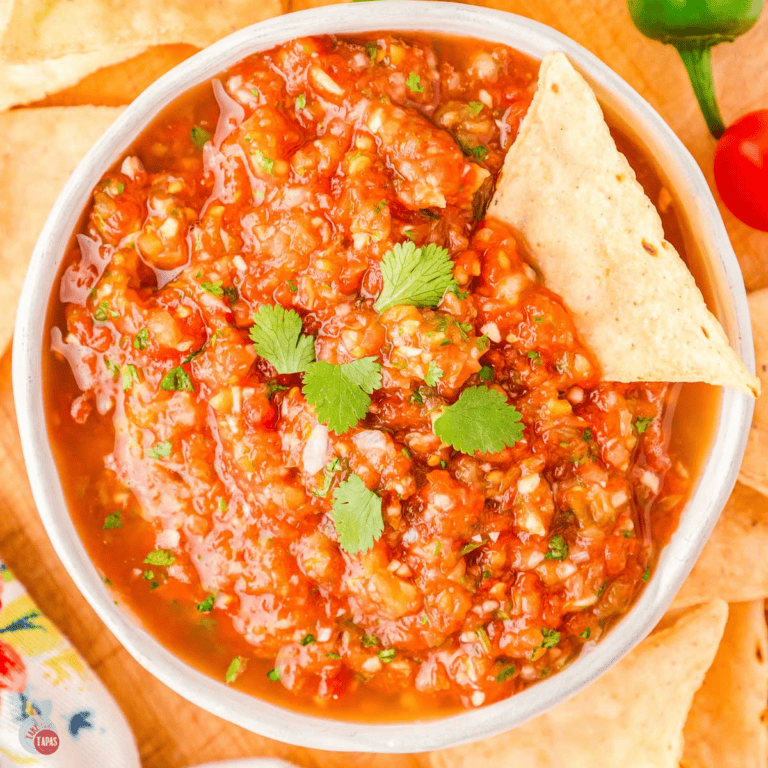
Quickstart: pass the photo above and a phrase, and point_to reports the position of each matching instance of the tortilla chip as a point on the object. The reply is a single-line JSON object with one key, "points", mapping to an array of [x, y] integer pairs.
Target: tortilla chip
{"points": [[754, 468], [25, 83], [122, 82], [725, 728], [733, 565], [57, 28], [632, 717], [599, 243], [40, 149]]}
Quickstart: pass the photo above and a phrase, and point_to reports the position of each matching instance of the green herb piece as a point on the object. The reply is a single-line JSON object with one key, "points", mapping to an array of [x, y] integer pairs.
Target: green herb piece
{"points": [[387, 655], [416, 398], [627, 534], [479, 153], [277, 337], [332, 656], [438, 548], [160, 557], [148, 575], [199, 136], [207, 605], [160, 451], [486, 373], [535, 356], [129, 376], [223, 504], [272, 387], [102, 311], [141, 339], [506, 673], [301, 101], [112, 368], [480, 420], [292, 287], [486, 575], [471, 546], [177, 380], [414, 83], [234, 669], [371, 49], [192, 355], [368, 641], [341, 393], [410, 234], [154, 585], [379, 207], [646, 574], [551, 639], [107, 581], [357, 515], [308, 639], [434, 374], [602, 589], [475, 107], [416, 276], [642, 423], [485, 641], [558, 548], [115, 520], [430, 214], [213, 288], [586, 633], [587, 436], [230, 294]]}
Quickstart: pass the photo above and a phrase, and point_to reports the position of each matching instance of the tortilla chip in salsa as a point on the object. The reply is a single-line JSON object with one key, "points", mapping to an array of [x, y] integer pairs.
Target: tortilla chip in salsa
{"points": [[599, 244]]}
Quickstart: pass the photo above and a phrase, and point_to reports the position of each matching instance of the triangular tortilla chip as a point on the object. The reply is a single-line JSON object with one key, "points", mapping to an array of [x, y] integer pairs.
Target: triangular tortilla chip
{"points": [[598, 242], [754, 468], [40, 149], [60, 27], [725, 728], [734, 563], [632, 717], [25, 83]]}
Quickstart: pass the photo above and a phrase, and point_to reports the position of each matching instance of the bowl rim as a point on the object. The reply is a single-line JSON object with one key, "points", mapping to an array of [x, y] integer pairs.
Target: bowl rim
{"points": [[718, 474]]}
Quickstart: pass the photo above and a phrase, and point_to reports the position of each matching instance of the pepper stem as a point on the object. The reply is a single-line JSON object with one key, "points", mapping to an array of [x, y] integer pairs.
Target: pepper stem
{"points": [[697, 57]]}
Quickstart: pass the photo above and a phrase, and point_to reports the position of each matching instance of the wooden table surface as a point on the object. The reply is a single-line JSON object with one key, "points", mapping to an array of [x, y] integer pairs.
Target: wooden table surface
{"points": [[173, 733]]}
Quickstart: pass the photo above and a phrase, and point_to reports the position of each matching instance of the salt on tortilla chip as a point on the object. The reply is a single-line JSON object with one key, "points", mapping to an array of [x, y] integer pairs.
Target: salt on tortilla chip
{"points": [[598, 242], [754, 468], [725, 727], [632, 717], [25, 83], [40, 149], [733, 565], [60, 27]]}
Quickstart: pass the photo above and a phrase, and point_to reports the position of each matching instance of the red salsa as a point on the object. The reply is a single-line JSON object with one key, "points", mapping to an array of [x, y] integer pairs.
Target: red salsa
{"points": [[336, 443]]}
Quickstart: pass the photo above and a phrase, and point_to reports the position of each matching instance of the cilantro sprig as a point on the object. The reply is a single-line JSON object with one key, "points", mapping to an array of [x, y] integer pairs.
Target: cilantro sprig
{"points": [[356, 515], [416, 276], [341, 393], [277, 337], [480, 420]]}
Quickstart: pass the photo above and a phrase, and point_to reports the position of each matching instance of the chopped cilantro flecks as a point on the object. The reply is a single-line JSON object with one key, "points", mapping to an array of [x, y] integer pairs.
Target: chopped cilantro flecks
{"points": [[160, 557], [558, 548], [177, 380], [586, 633], [200, 137], [274, 675], [207, 605], [234, 669], [141, 339], [646, 575], [486, 373], [413, 83], [506, 673], [369, 640], [308, 639], [387, 655], [301, 101], [475, 107], [642, 423], [471, 546]]}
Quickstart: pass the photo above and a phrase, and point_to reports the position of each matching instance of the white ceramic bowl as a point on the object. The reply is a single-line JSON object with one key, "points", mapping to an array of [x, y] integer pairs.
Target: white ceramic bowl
{"points": [[697, 520]]}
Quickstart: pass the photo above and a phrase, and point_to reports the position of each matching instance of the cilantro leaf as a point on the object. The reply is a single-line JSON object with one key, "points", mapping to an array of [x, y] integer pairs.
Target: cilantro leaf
{"points": [[357, 515], [177, 380], [115, 520], [480, 420], [340, 393], [200, 137], [160, 557], [434, 374], [141, 339], [308, 639], [234, 669], [642, 423], [160, 451], [207, 605], [475, 107], [506, 673], [214, 289], [558, 548], [416, 276], [414, 83], [301, 101], [277, 337]]}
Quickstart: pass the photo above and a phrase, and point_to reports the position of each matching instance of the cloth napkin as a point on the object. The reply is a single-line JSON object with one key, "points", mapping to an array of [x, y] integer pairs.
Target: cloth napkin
{"points": [[54, 711]]}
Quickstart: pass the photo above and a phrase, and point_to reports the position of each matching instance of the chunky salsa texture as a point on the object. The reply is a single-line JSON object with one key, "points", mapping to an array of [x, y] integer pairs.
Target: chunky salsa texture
{"points": [[410, 490]]}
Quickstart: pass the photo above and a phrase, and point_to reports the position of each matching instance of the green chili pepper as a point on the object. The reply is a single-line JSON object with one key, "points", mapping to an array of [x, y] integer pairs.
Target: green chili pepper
{"points": [[693, 27]]}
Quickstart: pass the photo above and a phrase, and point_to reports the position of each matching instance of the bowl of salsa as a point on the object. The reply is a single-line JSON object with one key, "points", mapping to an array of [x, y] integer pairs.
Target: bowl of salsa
{"points": [[305, 418]]}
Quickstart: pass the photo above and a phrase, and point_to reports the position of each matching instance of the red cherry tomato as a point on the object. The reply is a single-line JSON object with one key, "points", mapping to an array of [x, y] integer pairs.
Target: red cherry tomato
{"points": [[741, 169]]}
